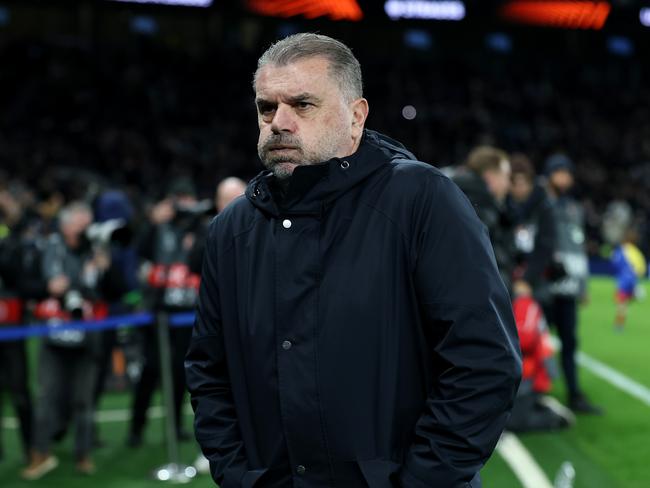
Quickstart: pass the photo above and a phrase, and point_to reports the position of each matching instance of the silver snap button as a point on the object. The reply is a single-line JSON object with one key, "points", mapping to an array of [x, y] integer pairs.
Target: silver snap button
{"points": [[300, 469], [286, 345], [345, 165], [286, 223]]}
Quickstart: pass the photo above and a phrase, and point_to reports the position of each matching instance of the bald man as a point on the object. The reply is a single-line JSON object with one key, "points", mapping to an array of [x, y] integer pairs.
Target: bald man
{"points": [[227, 191]]}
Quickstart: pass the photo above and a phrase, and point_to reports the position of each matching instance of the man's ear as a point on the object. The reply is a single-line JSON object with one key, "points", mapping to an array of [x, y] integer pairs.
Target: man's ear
{"points": [[359, 115]]}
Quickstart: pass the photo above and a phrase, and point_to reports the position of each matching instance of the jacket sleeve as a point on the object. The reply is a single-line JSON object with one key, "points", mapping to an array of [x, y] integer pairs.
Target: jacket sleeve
{"points": [[470, 328], [216, 425]]}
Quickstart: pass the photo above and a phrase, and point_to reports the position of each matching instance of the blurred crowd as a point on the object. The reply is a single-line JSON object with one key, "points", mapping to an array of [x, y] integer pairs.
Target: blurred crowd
{"points": [[65, 260], [110, 158], [76, 114]]}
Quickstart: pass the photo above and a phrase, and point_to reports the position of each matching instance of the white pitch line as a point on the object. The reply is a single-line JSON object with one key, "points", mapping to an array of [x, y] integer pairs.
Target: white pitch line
{"points": [[611, 375], [109, 416], [614, 377], [521, 462]]}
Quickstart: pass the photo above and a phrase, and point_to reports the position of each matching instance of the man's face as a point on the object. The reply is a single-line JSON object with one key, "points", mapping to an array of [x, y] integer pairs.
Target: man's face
{"points": [[498, 180], [561, 180], [303, 116], [75, 226], [521, 187]]}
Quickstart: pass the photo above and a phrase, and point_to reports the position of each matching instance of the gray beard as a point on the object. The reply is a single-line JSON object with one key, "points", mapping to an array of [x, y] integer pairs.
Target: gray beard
{"points": [[281, 172]]}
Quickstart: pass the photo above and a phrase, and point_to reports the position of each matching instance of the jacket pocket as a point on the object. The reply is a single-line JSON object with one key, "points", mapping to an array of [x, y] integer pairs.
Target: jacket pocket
{"points": [[251, 477], [379, 473]]}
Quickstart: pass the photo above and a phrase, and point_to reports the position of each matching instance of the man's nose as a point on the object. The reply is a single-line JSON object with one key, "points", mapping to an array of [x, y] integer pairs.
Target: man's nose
{"points": [[284, 119]]}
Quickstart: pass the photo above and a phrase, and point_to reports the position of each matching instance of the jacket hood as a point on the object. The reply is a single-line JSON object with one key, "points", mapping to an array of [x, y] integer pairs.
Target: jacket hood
{"points": [[113, 204], [326, 181]]}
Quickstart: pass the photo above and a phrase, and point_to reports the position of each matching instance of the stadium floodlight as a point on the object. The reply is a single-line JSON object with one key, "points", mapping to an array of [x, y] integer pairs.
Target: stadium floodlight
{"points": [[644, 16], [564, 14], [348, 10], [179, 3], [425, 9]]}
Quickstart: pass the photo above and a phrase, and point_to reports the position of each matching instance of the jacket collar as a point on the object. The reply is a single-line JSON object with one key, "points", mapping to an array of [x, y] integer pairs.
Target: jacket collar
{"points": [[313, 188]]}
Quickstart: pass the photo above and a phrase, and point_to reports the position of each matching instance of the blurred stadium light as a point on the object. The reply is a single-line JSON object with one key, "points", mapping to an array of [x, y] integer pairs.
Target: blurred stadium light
{"points": [[180, 3], [620, 46], [425, 9], [144, 24], [418, 39], [333, 9], [644, 16], [499, 42], [565, 14], [5, 16]]}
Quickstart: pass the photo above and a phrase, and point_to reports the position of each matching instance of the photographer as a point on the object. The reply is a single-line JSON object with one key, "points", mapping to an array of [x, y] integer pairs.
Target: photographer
{"points": [[112, 232], [19, 282], [76, 274], [167, 246]]}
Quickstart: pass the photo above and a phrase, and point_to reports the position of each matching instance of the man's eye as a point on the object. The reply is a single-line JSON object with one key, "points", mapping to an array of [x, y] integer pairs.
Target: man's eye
{"points": [[303, 105]]}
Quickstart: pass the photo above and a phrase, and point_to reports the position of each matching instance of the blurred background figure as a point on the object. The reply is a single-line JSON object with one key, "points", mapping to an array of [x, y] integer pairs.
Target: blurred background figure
{"points": [[114, 234], [166, 245], [485, 179], [227, 190], [535, 409], [18, 258], [76, 274], [629, 267], [534, 240], [569, 276], [534, 231]]}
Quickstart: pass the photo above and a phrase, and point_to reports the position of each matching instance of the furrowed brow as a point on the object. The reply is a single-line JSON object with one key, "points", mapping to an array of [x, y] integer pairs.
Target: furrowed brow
{"points": [[303, 97], [264, 104]]}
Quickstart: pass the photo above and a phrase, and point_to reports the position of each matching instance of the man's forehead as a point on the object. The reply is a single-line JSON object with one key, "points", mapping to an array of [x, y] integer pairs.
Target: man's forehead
{"points": [[308, 75]]}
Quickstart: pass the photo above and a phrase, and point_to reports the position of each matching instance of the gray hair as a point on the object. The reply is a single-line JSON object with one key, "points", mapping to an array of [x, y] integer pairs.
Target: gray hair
{"points": [[73, 208], [344, 67]]}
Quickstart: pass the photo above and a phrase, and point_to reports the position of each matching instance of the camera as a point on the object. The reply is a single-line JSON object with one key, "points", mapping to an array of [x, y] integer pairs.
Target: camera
{"points": [[73, 303], [188, 217], [113, 230]]}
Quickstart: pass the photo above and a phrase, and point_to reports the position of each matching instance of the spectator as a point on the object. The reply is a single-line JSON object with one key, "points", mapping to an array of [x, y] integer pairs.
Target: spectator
{"points": [[534, 231], [113, 227], [167, 246], [485, 180], [18, 283], [569, 286], [534, 409]]}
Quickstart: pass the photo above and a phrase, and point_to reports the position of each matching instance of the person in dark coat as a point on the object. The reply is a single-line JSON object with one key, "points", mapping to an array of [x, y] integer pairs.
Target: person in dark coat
{"points": [[352, 328], [569, 288], [485, 179], [534, 232]]}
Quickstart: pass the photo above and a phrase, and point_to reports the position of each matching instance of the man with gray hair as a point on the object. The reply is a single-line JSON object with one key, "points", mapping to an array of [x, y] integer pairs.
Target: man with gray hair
{"points": [[74, 275], [352, 328]]}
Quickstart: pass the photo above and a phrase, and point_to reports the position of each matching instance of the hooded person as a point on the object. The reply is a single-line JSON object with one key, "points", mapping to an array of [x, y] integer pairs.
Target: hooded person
{"points": [[352, 327]]}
